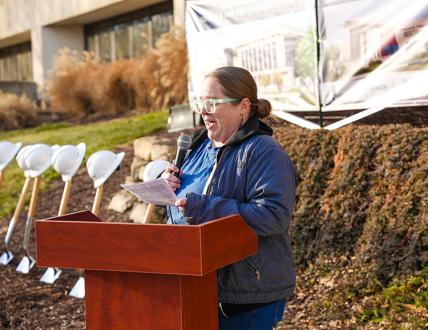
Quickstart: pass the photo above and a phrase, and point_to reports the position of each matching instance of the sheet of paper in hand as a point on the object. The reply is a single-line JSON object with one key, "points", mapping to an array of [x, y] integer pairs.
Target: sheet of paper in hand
{"points": [[157, 192]]}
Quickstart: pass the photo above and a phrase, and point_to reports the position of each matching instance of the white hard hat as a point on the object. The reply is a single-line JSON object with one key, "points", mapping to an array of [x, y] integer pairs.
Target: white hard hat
{"points": [[8, 150], [38, 159], [67, 159], [102, 164], [20, 158], [154, 169]]}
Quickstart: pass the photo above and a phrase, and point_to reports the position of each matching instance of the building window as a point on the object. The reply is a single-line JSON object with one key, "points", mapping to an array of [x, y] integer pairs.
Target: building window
{"points": [[129, 35], [16, 63], [265, 57], [104, 45], [141, 37], [290, 46], [122, 41], [161, 24], [274, 62]]}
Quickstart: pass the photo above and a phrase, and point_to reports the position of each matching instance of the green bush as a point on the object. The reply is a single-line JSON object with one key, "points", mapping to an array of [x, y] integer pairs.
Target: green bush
{"points": [[360, 226], [362, 191]]}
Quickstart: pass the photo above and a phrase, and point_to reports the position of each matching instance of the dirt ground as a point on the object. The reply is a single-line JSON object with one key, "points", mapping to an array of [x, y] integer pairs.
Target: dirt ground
{"points": [[27, 303]]}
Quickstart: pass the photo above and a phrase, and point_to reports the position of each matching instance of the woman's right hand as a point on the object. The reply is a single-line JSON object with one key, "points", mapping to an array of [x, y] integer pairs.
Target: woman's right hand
{"points": [[169, 176]]}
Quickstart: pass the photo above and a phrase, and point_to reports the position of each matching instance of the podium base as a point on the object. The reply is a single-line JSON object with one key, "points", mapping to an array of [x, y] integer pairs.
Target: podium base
{"points": [[153, 301]]}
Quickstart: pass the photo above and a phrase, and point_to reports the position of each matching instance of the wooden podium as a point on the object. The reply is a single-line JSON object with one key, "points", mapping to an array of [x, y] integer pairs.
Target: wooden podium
{"points": [[145, 276]]}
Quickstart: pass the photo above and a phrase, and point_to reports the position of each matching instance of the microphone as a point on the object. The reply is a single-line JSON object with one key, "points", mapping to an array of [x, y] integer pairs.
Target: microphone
{"points": [[183, 144]]}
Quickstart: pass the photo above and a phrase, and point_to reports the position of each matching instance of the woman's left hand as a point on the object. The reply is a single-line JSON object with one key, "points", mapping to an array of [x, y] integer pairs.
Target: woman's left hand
{"points": [[181, 204]]}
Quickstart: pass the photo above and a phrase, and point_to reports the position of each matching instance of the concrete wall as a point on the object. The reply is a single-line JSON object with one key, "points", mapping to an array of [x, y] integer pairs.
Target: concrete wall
{"points": [[19, 16], [179, 12], [46, 41]]}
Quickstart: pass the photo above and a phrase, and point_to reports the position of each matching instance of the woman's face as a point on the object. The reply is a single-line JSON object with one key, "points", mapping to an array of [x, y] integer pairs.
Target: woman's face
{"points": [[227, 118]]}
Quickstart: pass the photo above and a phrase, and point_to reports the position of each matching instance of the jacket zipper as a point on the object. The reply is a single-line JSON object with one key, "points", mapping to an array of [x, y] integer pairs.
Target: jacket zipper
{"points": [[254, 268]]}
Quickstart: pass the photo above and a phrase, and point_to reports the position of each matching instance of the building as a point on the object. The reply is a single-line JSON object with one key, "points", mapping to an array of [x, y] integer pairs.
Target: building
{"points": [[32, 32], [377, 41], [270, 57]]}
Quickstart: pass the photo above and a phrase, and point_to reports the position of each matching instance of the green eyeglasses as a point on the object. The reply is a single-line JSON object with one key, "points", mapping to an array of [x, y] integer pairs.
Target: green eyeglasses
{"points": [[209, 105]]}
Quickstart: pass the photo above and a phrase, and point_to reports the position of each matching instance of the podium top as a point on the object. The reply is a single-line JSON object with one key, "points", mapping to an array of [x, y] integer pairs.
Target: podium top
{"points": [[81, 240]]}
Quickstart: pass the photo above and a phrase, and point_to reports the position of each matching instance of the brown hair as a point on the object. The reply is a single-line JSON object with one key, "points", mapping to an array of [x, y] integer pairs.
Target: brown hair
{"points": [[239, 83]]}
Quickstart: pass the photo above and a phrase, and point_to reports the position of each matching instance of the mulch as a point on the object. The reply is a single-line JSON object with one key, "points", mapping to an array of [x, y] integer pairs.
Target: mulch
{"points": [[27, 303]]}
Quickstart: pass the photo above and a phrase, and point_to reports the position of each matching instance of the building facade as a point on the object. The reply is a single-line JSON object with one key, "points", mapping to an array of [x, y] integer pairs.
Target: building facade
{"points": [[271, 60], [33, 31]]}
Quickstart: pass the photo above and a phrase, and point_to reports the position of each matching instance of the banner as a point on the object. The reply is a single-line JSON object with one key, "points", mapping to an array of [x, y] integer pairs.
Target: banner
{"points": [[374, 54], [325, 55], [274, 39]]}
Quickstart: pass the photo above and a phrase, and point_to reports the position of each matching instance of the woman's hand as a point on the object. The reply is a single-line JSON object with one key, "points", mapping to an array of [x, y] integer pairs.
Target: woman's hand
{"points": [[181, 204], [169, 176]]}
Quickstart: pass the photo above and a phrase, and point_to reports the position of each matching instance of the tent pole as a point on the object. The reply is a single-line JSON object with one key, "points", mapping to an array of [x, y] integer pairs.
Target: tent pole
{"points": [[319, 24]]}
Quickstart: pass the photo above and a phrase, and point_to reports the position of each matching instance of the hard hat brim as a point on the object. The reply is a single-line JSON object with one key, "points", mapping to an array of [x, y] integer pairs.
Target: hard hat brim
{"points": [[11, 155], [154, 169], [37, 172], [114, 165], [81, 148]]}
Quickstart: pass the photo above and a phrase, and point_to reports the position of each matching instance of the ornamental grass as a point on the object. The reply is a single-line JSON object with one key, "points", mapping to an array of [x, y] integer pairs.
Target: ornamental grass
{"points": [[16, 111], [80, 85]]}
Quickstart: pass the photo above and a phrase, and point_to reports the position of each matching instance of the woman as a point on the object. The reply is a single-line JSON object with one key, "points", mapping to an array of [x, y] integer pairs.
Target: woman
{"points": [[236, 167]]}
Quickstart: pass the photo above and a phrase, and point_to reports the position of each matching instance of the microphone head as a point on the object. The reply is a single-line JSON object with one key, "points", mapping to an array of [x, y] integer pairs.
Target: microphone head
{"points": [[184, 141]]}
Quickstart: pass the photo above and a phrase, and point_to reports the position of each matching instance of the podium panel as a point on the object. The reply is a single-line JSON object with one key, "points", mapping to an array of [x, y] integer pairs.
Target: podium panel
{"points": [[152, 302], [145, 276]]}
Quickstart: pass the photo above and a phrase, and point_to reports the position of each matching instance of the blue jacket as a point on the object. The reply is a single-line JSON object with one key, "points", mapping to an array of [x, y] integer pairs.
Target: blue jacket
{"points": [[256, 179]]}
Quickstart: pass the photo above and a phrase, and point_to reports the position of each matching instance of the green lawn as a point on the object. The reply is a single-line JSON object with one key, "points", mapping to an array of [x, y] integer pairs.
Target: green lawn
{"points": [[97, 136]]}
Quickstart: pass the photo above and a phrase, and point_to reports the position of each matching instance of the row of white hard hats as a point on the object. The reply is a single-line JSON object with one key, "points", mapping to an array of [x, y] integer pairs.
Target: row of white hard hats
{"points": [[35, 159], [66, 160]]}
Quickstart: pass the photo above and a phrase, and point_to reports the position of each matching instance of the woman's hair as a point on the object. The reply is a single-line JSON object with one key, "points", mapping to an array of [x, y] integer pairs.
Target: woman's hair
{"points": [[239, 83]]}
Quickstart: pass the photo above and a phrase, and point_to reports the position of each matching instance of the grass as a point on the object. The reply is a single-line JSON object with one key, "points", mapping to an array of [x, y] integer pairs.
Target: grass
{"points": [[97, 136], [406, 299]]}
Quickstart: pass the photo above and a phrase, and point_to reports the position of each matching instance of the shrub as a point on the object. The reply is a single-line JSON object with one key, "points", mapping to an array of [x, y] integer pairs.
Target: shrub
{"points": [[360, 225], [81, 85], [16, 111], [362, 194]]}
